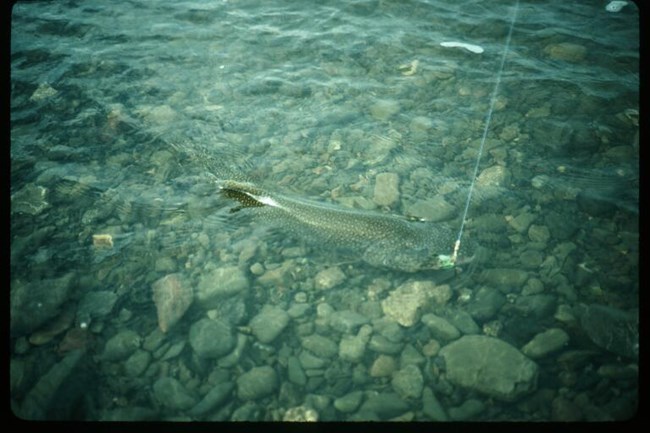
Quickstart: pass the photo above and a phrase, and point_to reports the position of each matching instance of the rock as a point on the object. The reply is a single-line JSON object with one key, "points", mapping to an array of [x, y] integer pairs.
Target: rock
{"points": [[411, 356], [440, 328], [329, 278], [383, 109], [34, 303], [504, 279], [404, 303], [408, 382], [211, 338], [522, 221], [381, 344], [490, 366], [386, 189], [121, 345], [431, 407], [38, 400], [257, 383], [383, 366], [213, 399], [269, 323], [310, 362], [295, 372], [137, 363], [219, 284], [320, 346], [385, 405], [611, 329], [496, 175], [536, 306], [172, 297], [353, 348], [96, 304], [53, 328], [566, 51], [300, 414], [170, 393], [349, 402], [564, 410], [545, 342], [29, 200], [434, 209], [466, 411], [347, 321], [538, 233], [531, 259], [485, 303]]}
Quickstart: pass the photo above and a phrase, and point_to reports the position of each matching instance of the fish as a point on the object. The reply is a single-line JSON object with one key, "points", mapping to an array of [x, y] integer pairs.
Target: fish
{"points": [[381, 240]]}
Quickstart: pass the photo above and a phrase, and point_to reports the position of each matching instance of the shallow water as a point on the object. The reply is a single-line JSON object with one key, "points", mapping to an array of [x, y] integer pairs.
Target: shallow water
{"points": [[123, 115]]}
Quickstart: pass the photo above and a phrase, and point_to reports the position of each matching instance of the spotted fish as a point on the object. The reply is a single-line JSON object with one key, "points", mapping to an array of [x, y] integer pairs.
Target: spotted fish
{"points": [[381, 240]]}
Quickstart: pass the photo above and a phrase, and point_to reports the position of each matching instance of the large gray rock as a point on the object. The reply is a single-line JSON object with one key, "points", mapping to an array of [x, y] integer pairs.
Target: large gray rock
{"points": [[269, 323], [218, 284], [490, 366], [612, 329], [257, 383], [211, 338]]}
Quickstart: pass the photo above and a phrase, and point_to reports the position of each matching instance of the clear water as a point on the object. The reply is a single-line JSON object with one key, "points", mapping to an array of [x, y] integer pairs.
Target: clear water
{"points": [[122, 113]]}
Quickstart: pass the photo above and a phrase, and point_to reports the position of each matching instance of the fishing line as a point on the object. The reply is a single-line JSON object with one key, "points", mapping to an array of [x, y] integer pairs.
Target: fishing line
{"points": [[488, 119]]}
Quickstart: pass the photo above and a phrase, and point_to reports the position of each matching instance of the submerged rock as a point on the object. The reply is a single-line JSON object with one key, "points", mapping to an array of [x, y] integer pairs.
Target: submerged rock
{"points": [[490, 366], [172, 297]]}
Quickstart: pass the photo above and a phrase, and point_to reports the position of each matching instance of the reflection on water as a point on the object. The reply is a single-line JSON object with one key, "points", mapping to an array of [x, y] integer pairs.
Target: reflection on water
{"points": [[137, 295]]}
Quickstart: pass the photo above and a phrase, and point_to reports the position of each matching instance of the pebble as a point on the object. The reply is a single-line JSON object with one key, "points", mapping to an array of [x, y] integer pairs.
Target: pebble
{"points": [[386, 189], [496, 175], [408, 382], [172, 297], [329, 278], [545, 342], [349, 402], [269, 323], [440, 328], [536, 306], [320, 346], [121, 345], [539, 233], [213, 399], [172, 394], [531, 259], [383, 109], [385, 405], [257, 383], [506, 280], [218, 284], [211, 338], [96, 304], [433, 209], [383, 366], [431, 407], [309, 361], [405, 302], [468, 410], [137, 363], [381, 344], [410, 356], [490, 366], [522, 221], [347, 321], [295, 372], [300, 414], [566, 51], [485, 303], [353, 348]]}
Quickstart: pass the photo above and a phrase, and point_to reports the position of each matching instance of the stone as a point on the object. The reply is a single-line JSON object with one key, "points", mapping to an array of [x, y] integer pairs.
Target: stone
{"points": [[349, 402], [545, 342], [490, 366], [385, 405], [218, 284], [33, 303], [269, 323], [386, 189], [404, 304], [121, 345], [96, 304], [320, 346], [384, 109], [347, 321], [353, 348], [408, 382], [329, 278], [383, 366], [295, 372], [211, 338], [433, 209], [496, 175], [522, 221], [257, 383], [539, 233], [137, 363], [30, 199], [215, 398], [566, 51], [612, 329], [485, 303], [172, 394], [172, 297], [300, 414], [468, 410], [431, 407], [440, 328], [505, 279]]}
